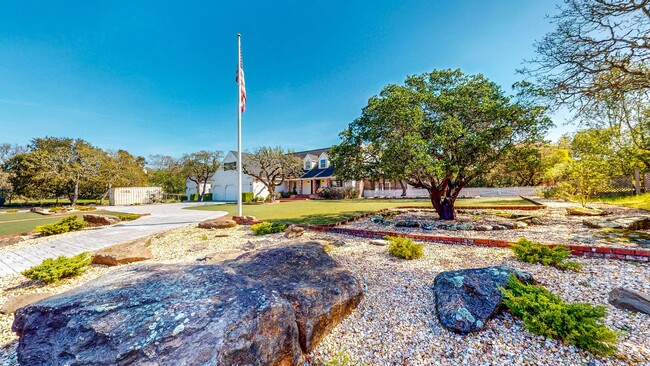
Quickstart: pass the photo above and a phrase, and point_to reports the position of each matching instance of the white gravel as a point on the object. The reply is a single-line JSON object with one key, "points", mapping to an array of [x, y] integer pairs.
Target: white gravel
{"points": [[395, 323]]}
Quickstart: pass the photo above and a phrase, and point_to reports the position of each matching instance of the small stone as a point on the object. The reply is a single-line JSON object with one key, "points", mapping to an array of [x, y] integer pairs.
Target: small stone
{"points": [[536, 221], [377, 219], [499, 227], [222, 256], [427, 226], [585, 211], [197, 247], [10, 240], [407, 223], [249, 246]]}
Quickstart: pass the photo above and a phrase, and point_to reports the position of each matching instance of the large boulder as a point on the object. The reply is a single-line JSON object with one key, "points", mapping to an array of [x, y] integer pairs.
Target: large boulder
{"points": [[124, 253], [221, 223], [631, 300], [155, 314], [467, 298], [93, 220], [321, 291], [641, 222]]}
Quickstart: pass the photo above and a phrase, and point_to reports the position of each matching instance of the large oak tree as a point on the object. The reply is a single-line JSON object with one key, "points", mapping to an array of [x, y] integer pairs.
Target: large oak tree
{"points": [[271, 166], [439, 131]]}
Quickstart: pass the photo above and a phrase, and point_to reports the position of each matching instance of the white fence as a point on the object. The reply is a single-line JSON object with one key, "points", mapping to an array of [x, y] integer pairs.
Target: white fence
{"points": [[134, 195], [466, 192]]}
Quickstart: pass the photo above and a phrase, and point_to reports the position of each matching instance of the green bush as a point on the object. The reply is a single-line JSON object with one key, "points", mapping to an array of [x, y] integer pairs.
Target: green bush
{"points": [[267, 227], [11, 210], [544, 313], [337, 193], [85, 208], [207, 197], [285, 194], [52, 270], [70, 223], [340, 358], [247, 196], [404, 248], [128, 217], [58, 209], [529, 252]]}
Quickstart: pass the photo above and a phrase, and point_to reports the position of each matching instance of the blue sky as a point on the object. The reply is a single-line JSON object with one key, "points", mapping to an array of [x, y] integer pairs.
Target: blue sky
{"points": [[157, 77]]}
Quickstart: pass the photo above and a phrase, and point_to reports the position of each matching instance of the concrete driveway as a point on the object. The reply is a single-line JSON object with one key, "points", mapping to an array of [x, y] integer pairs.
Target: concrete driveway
{"points": [[162, 217]]}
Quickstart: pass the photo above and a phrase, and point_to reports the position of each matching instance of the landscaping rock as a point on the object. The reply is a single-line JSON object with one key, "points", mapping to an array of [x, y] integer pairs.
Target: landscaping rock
{"points": [[321, 291], [16, 302], [407, 223], [244, 220], [585, 211], [466, 299], [536, 221], [100, 220], [641, 222], [220, 223], [293, 231], [38, 210], [483, 228], [514, 225], [630, 300], [123, 253], [464, 226], [379, 242], [249, 246], [427, 226], [161, 314], [10, 240], [377, 219], [499, 227]]}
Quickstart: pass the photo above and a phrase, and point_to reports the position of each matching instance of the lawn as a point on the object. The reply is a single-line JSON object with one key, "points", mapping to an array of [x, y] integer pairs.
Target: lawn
{"points": [[51, 202], [32, 221], [319, 212], [641, 201]]}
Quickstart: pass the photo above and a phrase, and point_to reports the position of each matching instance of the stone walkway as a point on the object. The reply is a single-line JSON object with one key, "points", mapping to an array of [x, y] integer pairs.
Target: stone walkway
{"points": [[162, 217]]}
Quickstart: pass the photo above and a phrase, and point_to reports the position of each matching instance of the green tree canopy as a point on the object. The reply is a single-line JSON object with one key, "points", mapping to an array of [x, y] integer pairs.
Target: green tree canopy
{"points": [[439, 131], [199, 167]]}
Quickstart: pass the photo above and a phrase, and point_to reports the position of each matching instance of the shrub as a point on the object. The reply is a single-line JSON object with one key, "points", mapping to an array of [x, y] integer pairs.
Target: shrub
{"points": [[207, 197], [544, 313], [58, 209], [267, 227], [247, 196], [337, 193], [285, 194], [529, 252], [52, 270], [70, 223], [11, 210], [85, 208], [340, 358], [404, 248], [128, 217]]}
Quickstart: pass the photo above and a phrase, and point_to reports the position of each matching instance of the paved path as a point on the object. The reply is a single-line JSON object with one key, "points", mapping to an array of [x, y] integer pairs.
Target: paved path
{"points": [[162, 217]]}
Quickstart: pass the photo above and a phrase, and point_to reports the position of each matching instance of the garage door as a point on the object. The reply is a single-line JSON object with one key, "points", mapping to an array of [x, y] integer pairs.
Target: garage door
{"points": [[230, 193]]}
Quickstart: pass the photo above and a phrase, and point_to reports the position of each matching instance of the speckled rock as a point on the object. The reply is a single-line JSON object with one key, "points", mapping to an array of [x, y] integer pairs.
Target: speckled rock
{"points": [[220, 223], [407, 223], [135, 251], [161, 315], [321, 291], [466, 299], [630, 300], [293, 231]]}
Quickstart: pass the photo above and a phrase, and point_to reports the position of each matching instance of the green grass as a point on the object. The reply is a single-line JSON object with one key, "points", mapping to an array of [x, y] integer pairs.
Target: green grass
{"points": [[9, 228], [641, 201], [320, 212], [52, 202]]}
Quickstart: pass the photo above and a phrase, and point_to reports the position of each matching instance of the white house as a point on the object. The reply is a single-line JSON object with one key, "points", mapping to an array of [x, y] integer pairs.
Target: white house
{"points": [[317, 172], [224, 180]]}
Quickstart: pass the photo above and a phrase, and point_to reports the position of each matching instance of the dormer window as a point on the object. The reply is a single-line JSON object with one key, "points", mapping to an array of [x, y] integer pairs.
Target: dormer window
{"points": [[307, 165], [323, 163]]}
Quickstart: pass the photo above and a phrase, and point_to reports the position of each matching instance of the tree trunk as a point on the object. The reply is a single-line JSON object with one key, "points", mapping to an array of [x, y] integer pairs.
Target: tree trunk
{"points": [[75, 196], [200, 191], [271, 193], [401, 183], [360, 185], [444, 205]]}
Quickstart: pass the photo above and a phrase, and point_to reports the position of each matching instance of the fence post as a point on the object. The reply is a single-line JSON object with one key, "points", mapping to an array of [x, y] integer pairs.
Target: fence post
{"points": [[637, 181]]}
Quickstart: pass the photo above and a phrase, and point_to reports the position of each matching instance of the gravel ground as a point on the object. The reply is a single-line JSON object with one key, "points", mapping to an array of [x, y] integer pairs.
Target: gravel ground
{"points": [[557, 227], [395, 323]]}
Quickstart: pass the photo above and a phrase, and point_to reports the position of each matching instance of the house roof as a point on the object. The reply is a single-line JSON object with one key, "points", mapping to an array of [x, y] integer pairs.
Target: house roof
{"points": [[316, 153]]}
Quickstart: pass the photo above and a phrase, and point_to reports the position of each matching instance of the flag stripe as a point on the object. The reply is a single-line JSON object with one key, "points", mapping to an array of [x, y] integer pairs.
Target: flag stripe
{"points": [[240, 80]]}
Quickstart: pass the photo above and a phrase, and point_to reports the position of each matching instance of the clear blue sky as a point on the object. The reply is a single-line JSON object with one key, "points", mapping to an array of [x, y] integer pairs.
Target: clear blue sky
{"points": [[158, 77]]}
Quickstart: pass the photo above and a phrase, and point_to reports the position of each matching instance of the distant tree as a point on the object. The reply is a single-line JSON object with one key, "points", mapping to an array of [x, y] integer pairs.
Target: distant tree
{"points": [[593, 41], [117, 169], [199, 167], [442, 129], [54, 166], [355, 160], [271, 166], [7, 152], [165, 171]]}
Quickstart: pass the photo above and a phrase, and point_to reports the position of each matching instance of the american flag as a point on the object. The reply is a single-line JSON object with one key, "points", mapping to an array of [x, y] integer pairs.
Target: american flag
{"points": [[242, 83]]}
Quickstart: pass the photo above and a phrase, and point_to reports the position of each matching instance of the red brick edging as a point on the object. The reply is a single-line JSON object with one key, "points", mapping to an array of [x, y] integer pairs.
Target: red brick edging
{"points": [[628, 254]]}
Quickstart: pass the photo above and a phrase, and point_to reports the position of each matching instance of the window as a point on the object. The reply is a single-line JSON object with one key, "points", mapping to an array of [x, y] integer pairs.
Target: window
{"points": [[323, 163], [230, 166], [307, 165]]}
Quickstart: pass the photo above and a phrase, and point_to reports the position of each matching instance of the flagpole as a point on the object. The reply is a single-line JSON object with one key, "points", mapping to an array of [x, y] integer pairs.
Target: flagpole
{"points": [[239, 162]]}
